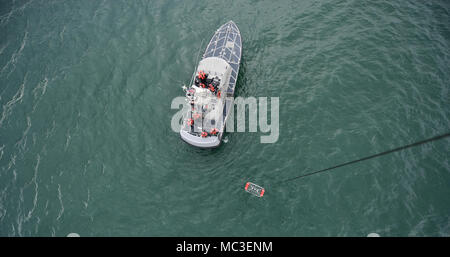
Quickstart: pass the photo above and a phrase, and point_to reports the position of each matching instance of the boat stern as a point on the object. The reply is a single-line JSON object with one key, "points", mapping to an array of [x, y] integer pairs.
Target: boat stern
{"points": [[206, 142]]}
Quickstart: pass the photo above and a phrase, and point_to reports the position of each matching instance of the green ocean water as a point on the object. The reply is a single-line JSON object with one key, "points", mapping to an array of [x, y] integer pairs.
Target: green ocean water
{"points": [[86, 144]]}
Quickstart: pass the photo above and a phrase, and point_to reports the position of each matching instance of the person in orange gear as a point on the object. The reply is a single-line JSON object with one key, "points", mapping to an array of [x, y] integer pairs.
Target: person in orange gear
{"points": [[214, 131], [202, 76]]}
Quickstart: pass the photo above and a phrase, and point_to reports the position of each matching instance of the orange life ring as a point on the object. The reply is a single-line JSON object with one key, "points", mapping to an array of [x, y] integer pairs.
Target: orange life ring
{"points": [[204, 134]]}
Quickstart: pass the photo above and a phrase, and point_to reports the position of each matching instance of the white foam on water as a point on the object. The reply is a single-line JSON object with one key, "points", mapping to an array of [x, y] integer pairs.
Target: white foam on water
{"points": [[60, 202], [7, 108]]}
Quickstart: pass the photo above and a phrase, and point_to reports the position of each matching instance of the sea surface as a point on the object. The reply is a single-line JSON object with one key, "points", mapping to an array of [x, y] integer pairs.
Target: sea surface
{"points": [[86, 144]]}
